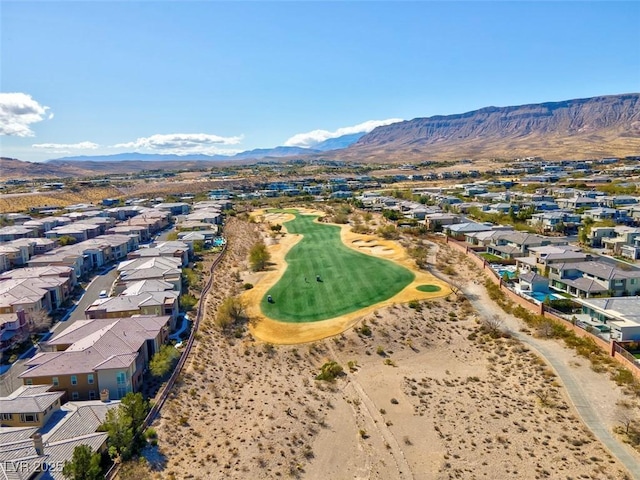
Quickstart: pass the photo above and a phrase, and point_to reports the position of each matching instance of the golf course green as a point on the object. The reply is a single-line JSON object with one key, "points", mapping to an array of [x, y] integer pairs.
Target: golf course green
{"points": [[428, 288], [325, 279]]}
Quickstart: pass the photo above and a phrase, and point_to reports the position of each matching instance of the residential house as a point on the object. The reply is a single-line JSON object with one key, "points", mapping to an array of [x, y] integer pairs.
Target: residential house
{"points": [[13, 329], [5, 261], [518, 244], [29, 406], [575, 203], [459, 230], [615, 201], [540, 259], [158, 303], [23, 294], [437, 221], [95, 355], [486, 237], [530, 282], [15, 232], [597, 235], [621, 314], [178, 250], [16, 256], [163, 268], [586, 279], [141, 232], [600, 214], [554, 221], [624, 236], [79, 231], [176, 208], [59, 280]]}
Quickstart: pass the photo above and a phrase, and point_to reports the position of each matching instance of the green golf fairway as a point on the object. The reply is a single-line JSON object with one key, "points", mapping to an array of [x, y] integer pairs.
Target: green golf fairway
{"points": [[349, 280]]}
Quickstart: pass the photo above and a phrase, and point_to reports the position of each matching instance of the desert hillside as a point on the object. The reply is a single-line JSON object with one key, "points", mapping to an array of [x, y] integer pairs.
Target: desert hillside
{"points": [[582, 128]]}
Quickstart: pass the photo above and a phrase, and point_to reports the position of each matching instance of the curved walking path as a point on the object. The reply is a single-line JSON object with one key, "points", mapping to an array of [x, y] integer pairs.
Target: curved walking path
{"points": [[578, 396]]}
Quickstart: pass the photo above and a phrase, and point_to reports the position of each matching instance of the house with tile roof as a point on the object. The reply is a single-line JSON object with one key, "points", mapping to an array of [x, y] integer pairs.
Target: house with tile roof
{"points": [[29, 406], [95, 355], [164, 302], [591, 278]]}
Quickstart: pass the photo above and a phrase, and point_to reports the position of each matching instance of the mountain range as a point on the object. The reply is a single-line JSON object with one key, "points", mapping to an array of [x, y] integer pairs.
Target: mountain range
{"points": [[573, 129], [258, 153], [581, 128]]}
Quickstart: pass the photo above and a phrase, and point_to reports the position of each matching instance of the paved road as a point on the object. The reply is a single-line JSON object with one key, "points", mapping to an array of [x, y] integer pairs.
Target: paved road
{"points": [[99, 283]]}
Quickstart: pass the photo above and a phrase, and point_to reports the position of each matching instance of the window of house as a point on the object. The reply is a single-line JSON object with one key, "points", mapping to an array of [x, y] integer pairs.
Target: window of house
{"points": [[75, 395], [92, 394], [90, 379], [55, 381], [5, 416], [74, 380], [121, 378], [28, 417], [28, 381]]}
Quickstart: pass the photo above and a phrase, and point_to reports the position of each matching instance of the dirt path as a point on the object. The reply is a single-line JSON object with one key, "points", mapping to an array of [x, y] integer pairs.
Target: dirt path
{"points": [[593, 394], [376, 419]]}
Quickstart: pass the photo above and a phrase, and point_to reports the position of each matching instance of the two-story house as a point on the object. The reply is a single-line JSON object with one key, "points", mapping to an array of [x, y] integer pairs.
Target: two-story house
{"points": [[586, 279], [95, 355]]}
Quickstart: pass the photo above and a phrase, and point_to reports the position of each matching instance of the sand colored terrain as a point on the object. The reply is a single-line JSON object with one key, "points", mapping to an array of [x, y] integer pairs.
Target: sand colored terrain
{"points": [[428, 396], [283, 333]]}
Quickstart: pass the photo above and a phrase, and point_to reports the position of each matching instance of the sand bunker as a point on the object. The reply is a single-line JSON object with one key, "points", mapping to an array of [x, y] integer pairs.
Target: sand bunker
{"points": [[273, 331]]}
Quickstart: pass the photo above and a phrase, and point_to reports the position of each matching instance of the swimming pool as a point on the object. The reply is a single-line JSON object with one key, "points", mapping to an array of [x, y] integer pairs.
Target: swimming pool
{"points": [[509, 273], [219, 241], [542, 296]]}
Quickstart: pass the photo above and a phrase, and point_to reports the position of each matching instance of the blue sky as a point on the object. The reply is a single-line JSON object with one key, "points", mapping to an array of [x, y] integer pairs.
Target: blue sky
{"points": [[203, 77]]}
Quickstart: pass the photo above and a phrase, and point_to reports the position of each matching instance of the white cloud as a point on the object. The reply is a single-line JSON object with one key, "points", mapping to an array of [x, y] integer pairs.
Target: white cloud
{"points": [[309, 139], [67, 146], [182, 143], [17, 112]]}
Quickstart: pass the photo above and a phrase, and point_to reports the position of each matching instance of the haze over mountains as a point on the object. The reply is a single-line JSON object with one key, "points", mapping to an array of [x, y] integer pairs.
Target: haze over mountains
{"points": [[572, 129]]}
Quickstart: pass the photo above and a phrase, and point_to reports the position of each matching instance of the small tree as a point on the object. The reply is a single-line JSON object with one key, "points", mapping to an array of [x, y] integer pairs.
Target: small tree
{"points": [[492, 325], [66, 240], [231, 312], [118, 426], [626, 416], [84, 465], [39, 321], [124, 425], [329, 371], [259, 257], [163, 361]]}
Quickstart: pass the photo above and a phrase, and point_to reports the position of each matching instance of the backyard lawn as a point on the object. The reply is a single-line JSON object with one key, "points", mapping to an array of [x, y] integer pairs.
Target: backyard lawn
{"points": [[325, 279]]}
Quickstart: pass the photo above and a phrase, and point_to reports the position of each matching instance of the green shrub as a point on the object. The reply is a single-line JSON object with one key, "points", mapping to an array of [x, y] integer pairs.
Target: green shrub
{"points": [[329, 371]]}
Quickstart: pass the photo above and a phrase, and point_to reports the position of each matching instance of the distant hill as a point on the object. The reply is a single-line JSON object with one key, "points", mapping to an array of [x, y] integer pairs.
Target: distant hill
{"points": [[259, 153], [582, 128], [276, 152], [11, 168], [339, 142]]}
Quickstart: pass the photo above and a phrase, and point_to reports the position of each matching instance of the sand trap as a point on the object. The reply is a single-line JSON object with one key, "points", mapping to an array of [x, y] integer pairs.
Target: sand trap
{"points": [[376, 249], [282, 333]]}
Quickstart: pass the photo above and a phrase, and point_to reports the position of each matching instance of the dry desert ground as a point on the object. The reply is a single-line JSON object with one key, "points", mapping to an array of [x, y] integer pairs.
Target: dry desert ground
{"points": [[425, 394]]}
